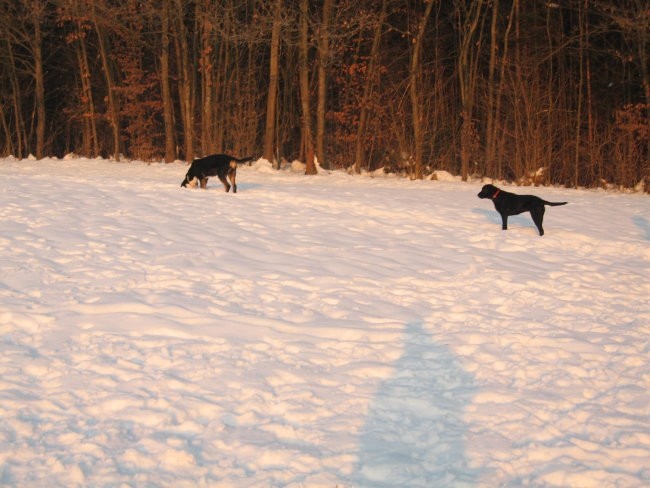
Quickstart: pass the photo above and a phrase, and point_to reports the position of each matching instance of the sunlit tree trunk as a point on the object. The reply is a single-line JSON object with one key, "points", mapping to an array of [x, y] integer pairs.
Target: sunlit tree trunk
{"points": [[271, 98], [185, 81], [490, 142], [550, 95], [414, 91], [90, 140], [310, 168], [581, 77], [323, 62], [494, 136], [206, 67], [16, 97], [370, 81], [7, 147], [113, 110], [595, 163], [642, 33], [469, 47], [89, 115], [221, 77], [38, 12], [168, 114]]}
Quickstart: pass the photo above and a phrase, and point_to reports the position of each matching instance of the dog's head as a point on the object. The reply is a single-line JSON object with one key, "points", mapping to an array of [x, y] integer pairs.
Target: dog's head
{"points": [[488, 191], [192, 182]]}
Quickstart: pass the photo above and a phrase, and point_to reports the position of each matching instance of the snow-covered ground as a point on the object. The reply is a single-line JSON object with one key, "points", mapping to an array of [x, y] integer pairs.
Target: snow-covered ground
{"points": [[323, 331]]}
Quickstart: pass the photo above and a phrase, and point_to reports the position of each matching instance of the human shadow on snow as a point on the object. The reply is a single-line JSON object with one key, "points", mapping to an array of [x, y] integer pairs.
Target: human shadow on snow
{"points": [[642, 223], [414, 434]]}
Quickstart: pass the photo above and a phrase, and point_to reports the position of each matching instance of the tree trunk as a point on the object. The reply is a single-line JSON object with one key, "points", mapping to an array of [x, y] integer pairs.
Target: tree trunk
{"points": [[490, 142], [185, 82], [550, 96], [414, 76], [581, 76], [271, 100], [113, 111], [310, 168], [38, 13], [21, 136], [207, 85], [467, 66], [8, 147], [90, 139], [323, 58], [359, 150], [168, 114], [221, 94], [642, 45]]}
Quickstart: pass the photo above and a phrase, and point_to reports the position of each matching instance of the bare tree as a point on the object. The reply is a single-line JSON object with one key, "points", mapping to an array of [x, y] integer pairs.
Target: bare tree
{"points": [[470, 22], [20, 133], [491, 95], [168, 114], [37, 11], [91, 141], [109, 77], [323, 62], [271, 99], [414, 90], [305, 103], [368, 86], [185, 75], [24, 28], [6, 132]]}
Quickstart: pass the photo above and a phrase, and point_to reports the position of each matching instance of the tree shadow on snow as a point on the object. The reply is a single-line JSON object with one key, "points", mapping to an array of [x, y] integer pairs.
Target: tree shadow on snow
{"points": [[414, 435]]}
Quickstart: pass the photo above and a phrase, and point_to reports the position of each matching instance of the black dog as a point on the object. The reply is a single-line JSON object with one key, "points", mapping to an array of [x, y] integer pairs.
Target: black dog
{"points": [[511, 204], [221, 165]]}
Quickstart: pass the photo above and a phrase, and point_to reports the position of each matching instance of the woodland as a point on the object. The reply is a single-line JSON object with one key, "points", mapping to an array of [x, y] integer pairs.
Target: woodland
{"points": [[529, 91]]}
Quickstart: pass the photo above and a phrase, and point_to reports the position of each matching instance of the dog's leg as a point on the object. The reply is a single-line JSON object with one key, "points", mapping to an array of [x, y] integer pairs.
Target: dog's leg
{"points": [[504, 221], [226, 185], [537, 214], [233, 179], [204, 183]]}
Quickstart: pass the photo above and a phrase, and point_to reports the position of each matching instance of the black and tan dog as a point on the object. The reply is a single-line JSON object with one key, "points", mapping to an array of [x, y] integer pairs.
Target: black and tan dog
{"points": [[222, 166], [508, 203]]}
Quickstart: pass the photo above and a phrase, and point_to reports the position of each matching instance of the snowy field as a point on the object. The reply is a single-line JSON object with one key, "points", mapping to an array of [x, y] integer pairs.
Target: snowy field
{"points": [[325, 331]]}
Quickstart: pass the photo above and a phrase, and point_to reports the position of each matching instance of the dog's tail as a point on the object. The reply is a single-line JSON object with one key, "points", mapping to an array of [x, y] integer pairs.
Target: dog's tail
{"points": [[247, 159], [554, 204]]}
